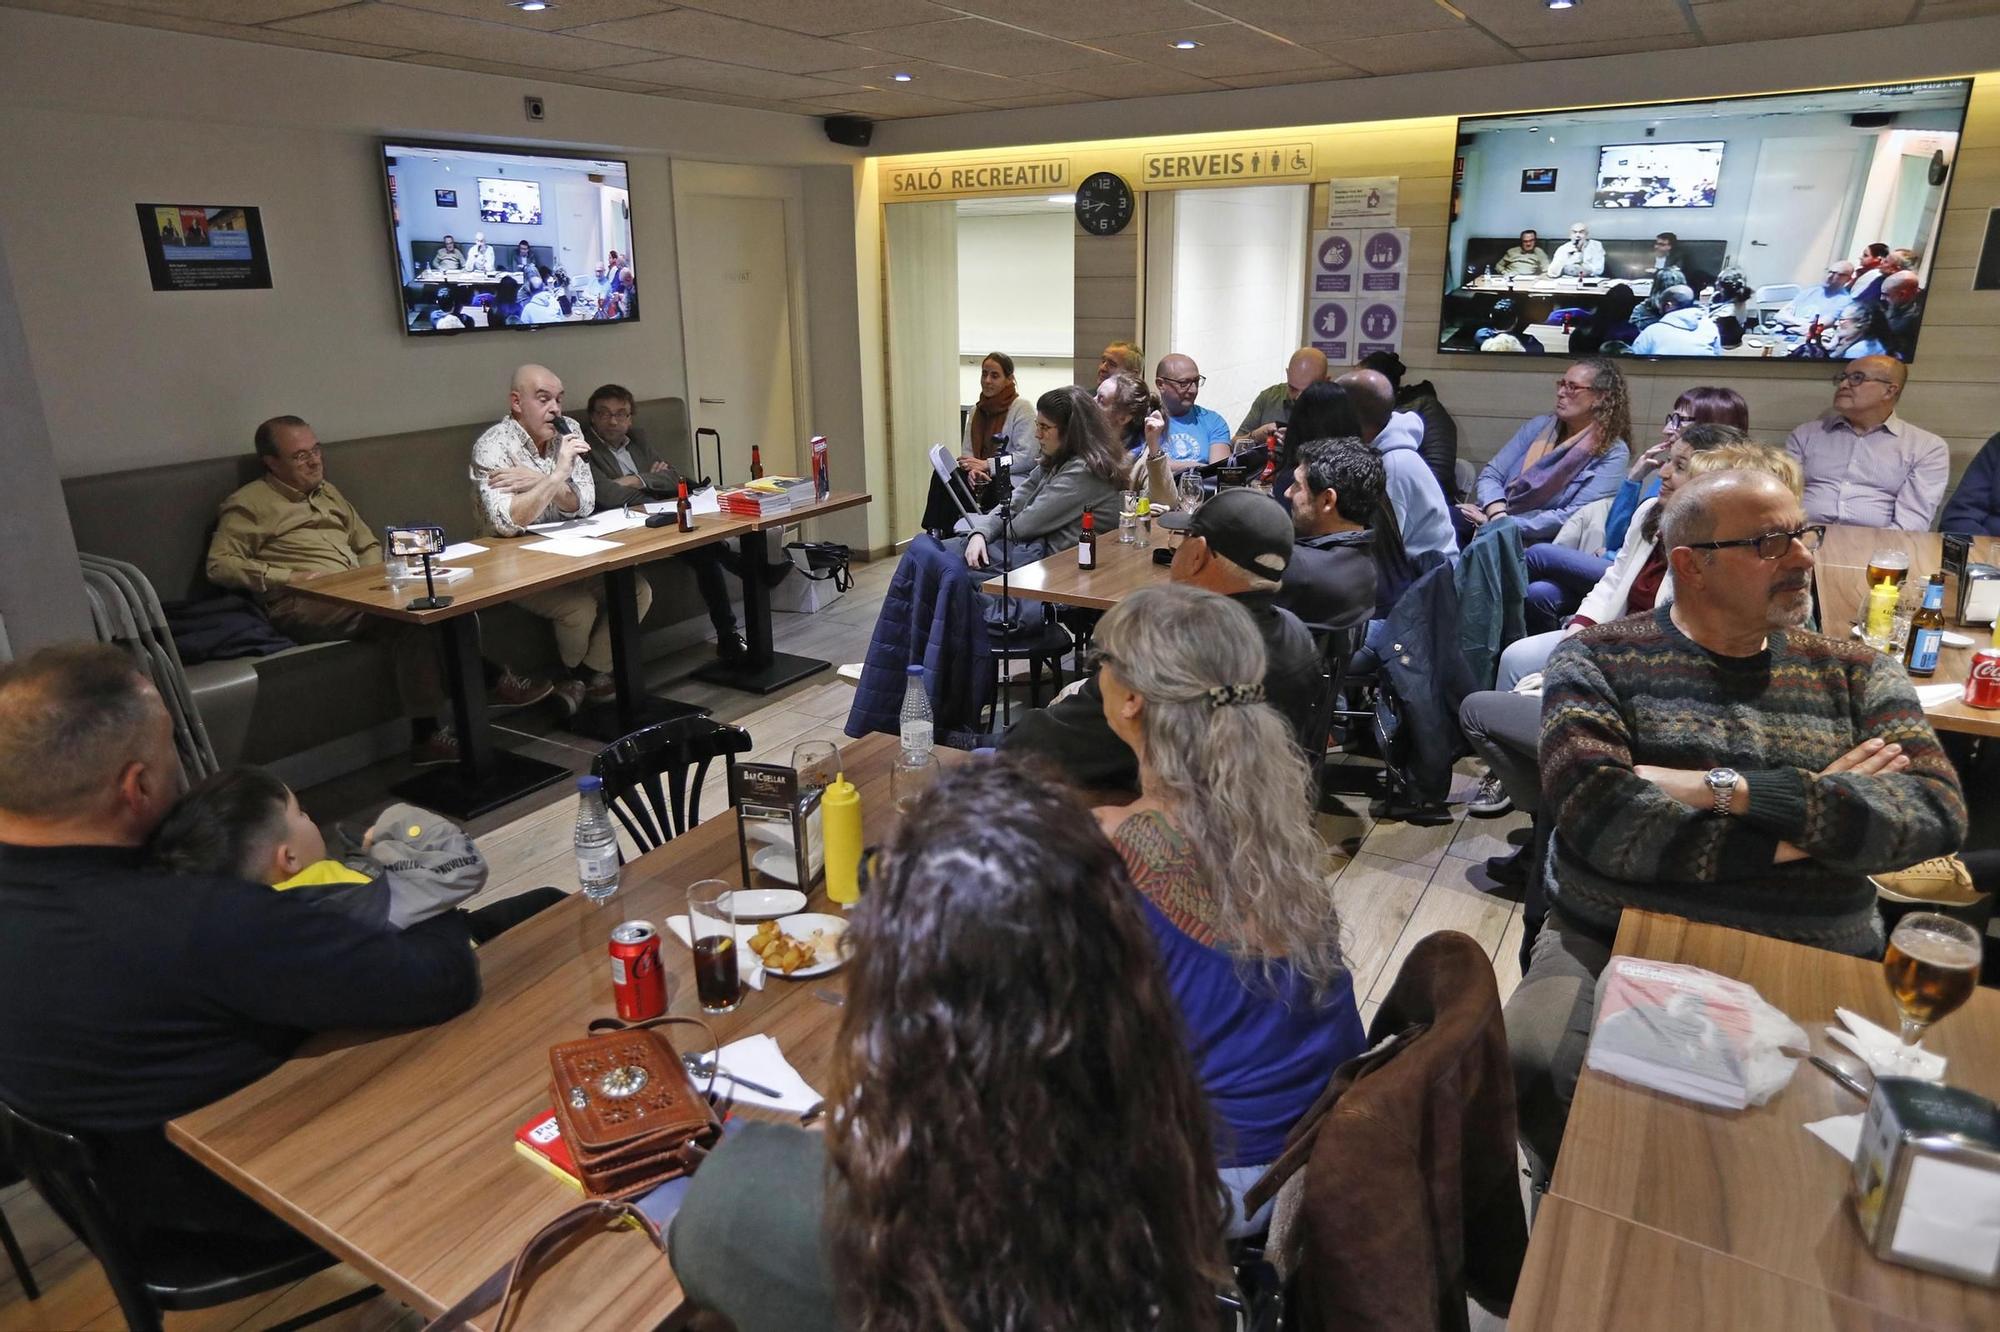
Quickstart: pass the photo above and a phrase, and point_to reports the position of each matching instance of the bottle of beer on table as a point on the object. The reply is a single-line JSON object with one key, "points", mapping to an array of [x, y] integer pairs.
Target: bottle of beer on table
{"points": [[1086, 549], [756, 463], [684, 511], [1927, 630]]}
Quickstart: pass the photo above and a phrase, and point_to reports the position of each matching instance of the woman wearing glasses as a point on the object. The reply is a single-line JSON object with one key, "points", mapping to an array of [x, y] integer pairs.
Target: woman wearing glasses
{"points": [[1560, 575], [1557, 463], [1015, 1136], [1862, 329]]}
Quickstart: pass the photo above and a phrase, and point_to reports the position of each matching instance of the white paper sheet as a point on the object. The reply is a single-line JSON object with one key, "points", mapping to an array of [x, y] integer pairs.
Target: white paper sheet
{"points": [[573, 546], [460, 550], [700, 502]]}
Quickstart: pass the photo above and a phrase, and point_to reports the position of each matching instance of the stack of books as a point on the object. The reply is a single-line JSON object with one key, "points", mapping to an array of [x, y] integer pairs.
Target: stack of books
{"points": [[767, 498]]}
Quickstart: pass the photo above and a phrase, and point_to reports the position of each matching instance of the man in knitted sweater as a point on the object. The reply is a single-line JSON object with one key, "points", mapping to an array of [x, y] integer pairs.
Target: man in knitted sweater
{"points": [[1714, 761]]}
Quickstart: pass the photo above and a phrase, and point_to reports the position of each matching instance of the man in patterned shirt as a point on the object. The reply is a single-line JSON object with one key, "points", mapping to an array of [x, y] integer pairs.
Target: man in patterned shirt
{"points": [[533, 468], [1713, 760]]}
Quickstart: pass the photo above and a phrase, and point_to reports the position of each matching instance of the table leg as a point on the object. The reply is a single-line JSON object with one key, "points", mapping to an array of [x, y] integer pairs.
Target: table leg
{"points": [[634, 708], [485, 777], [763, 669]]}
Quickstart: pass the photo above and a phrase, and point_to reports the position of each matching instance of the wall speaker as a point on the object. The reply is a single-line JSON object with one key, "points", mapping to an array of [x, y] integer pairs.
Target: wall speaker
{"points": [[851, 131]]}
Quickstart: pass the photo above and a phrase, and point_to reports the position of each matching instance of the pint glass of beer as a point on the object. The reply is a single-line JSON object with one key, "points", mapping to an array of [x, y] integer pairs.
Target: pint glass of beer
{"points": [[1893, 565], [1932, 964]]}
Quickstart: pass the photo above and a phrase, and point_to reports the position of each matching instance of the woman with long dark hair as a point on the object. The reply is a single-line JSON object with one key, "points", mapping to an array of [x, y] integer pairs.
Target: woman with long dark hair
{"points": [[1079, 468], [1015, 1138], [1558, 462], [1223, 851], [1321, 412]]}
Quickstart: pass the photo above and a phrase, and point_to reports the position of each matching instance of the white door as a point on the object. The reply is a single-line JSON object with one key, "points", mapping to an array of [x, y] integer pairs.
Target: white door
{"points": [[1799, 205], [579, 229], [736, 299]]}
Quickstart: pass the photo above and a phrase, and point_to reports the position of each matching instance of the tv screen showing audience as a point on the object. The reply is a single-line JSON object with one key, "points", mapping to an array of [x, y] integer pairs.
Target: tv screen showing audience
{"points": [[549, 243], [1795, 227]]}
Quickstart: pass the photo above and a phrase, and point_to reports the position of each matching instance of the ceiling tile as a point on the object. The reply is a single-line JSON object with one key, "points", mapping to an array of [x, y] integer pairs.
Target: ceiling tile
{"points": [[416, 29], [177, 22], [1041, 99], [892, 105], [1100, 18], [942, 81], [1132, 79], [563, 14], [218, 11], [826, 18], [1620, 46], [1527, 23], [1226, 48], [1320, 22], [975, 43], [1282, 77], [709, 76], [1757, 20], [692, 32], [1452, 48]]}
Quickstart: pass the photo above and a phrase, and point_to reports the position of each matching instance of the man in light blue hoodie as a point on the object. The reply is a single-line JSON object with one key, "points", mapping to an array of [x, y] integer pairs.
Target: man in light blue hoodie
{"points": [[1414, 493], [1684, 330]]}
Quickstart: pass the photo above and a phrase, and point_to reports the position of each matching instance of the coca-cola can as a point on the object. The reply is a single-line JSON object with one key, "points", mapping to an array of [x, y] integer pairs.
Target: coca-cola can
{"points": [[1982, 682], [636, 979]]}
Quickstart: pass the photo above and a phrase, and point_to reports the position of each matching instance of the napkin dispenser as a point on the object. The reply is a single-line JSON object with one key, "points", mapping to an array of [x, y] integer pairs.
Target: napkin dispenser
{"points": [[773, 809], [1926, 1179], [1972, 590]]}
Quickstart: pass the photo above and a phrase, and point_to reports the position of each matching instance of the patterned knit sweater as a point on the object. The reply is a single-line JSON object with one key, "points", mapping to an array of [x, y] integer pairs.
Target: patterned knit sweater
{"points": [[1639, 691]]}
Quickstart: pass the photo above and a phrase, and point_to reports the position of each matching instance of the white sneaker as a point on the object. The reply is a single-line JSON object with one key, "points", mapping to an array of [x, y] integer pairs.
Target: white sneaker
{"points": [[1490, 801], [851, 672]]}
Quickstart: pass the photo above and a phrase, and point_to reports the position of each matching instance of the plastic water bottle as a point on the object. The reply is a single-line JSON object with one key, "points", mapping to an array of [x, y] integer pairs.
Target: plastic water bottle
{"points": [[916, 712], [596, 843]]}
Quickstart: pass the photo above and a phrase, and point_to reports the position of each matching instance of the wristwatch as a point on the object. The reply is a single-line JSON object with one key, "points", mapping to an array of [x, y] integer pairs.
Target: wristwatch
{"points": [[1722, 784]]}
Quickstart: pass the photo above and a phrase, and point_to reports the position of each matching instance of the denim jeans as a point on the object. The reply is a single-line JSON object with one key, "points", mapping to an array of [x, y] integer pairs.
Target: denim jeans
{"points": [[1558, 580]]}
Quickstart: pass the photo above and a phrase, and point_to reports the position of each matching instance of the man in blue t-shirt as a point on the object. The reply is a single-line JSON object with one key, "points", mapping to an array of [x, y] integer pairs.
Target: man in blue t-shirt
{"points": [[1195, 435]]}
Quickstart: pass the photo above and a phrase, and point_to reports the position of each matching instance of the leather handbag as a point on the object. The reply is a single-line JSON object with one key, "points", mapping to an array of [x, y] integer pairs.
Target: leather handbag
{"points": [[627, 1109]]}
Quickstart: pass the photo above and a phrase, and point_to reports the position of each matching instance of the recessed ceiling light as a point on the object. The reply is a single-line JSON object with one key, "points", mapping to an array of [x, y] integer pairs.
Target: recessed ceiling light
{"points": [[902, 78], [1560, 4], [532, 6], [1185, 45]]}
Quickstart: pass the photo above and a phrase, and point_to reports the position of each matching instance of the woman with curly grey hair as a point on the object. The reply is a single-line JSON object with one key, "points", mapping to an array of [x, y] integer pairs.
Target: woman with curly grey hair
{"points": [[1559, 462], [1233, 876]]}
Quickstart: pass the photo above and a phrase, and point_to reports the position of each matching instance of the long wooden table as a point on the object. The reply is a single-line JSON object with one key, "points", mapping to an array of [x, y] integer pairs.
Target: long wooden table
{"points": [[1840, 577], [396, 1152], [1747, 1202], [1121, 570]]}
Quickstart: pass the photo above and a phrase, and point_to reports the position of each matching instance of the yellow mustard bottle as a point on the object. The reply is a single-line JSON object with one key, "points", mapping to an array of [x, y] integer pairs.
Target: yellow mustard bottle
{"points": [[1882, 601], [840, 822]]}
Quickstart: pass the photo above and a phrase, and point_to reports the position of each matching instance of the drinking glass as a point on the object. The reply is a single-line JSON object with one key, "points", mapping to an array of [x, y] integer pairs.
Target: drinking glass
{"points": [[1128, 515], [911, 779], [712, 933], [817, 762], [1192, 492], [1890, 563], [1932, 965]]}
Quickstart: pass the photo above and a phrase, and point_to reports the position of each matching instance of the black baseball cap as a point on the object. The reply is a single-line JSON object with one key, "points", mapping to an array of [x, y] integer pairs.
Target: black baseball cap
{"points": [[1245, 527]]}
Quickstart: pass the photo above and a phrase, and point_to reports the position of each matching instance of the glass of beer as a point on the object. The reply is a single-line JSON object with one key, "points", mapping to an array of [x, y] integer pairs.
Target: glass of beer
{"points": [[1932, 965], [1893, 565], [712, 934]]}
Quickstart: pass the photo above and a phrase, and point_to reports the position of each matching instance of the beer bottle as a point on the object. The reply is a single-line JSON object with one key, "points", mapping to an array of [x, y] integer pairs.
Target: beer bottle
{"points": [[1086, 549], [756, 463], [683, 511], [1927, 630]]}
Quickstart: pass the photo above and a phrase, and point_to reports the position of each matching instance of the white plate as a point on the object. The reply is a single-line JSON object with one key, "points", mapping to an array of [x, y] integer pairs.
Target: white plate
{"points": [[769, 831], [831, 952], [780, 862], [766, 903], [1956, 640]]}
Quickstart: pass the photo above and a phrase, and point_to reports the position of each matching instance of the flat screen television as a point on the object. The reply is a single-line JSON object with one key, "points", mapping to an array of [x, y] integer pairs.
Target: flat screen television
{"points": [[548, 244], [1795, 227]]}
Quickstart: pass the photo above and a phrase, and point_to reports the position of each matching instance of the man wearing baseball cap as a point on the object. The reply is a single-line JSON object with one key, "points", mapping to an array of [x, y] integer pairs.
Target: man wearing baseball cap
{"points": [[1237, 544]]}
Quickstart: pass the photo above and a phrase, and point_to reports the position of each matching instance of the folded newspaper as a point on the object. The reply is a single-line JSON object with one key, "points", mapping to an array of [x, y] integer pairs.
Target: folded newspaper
{"points": [[1691, 1033]]}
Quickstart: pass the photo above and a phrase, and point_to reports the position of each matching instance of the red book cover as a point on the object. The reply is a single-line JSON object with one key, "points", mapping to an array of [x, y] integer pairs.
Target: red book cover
{"points": [[541, 1141], [822, 473]]}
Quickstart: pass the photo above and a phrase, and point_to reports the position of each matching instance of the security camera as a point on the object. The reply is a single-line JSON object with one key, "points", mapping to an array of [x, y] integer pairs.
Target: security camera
{"points": [[535, 109]]}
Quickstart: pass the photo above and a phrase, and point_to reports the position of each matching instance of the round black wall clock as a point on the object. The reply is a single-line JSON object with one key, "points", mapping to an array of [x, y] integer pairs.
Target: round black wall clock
{"points": [[1103, 204]]}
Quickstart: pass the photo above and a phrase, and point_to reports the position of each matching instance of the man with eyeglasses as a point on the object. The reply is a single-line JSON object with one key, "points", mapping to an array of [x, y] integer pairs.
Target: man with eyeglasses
{"points": [[1866, 466], [626, 469], [292, 525], [1713, 760], [1579, 256], [1195, 435]]}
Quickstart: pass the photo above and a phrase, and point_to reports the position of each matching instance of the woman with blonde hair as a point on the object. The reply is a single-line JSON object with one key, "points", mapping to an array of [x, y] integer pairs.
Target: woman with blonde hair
{"points": [[1558, 462], [1231, 873]]}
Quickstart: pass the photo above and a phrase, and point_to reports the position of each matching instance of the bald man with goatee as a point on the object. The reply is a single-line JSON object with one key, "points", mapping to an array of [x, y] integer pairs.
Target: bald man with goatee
{"points": [[1273, 407], [534, 468]]}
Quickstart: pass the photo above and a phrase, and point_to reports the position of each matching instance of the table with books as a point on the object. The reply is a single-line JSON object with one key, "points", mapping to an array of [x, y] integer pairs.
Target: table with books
{"points": [[397, 1152], [1664, 1213]]}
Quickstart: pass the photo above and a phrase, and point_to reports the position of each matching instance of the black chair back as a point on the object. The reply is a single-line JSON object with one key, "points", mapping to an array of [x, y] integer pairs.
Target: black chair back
{"points": [[653, 777], [62, 1169], [1336, 648]]}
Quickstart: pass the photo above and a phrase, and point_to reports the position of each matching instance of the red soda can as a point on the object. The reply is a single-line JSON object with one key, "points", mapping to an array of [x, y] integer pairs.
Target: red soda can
{"points": [[636, 979], [1982, 681]]}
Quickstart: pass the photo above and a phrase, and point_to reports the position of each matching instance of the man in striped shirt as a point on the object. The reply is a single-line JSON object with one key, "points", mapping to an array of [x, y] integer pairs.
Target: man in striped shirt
{"points": [[1714, 761]]}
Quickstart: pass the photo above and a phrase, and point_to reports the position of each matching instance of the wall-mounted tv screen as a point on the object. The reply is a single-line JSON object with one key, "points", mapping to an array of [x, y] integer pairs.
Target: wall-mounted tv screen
{"points": [[552, 243], [1795, 226], [1656, 175]]}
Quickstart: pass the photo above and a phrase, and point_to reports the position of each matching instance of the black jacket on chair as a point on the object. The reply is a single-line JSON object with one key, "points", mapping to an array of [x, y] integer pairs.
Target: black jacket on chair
{"points": [[1331, 581]]}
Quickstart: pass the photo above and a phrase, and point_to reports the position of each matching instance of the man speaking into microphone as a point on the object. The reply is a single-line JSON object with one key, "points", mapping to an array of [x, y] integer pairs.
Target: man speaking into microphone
{"points": [[533, 468]]}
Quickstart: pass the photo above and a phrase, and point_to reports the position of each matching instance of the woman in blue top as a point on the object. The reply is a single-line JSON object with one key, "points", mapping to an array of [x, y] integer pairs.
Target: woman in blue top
{"points": [[1557, 463], [1222, 849]]}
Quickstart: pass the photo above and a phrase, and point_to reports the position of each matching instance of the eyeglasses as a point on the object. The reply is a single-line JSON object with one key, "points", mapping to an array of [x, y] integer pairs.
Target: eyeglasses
{"points": [[615, 413], [1184, 385], [1564, 386], [313, 454], [1675, 421], [1771, 545], [1855, 379]]}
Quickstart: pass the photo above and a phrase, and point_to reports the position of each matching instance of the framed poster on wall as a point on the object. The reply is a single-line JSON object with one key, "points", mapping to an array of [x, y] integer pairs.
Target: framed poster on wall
{"points": [[1538, 180], [204, 247]]}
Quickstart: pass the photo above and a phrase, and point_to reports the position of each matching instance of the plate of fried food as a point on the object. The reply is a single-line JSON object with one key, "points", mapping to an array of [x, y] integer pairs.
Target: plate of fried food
{"points": [[808, 944]]}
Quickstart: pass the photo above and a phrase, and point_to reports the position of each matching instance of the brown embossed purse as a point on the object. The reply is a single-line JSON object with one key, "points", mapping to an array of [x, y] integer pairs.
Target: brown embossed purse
{"points": [[629, 1112]]}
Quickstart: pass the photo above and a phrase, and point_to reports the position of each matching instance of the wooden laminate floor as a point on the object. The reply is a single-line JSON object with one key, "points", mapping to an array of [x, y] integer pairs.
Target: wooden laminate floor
{"points": [[1397, 882]]}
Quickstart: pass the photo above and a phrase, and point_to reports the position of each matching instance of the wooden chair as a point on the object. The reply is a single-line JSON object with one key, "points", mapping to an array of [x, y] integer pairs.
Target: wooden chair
{"points": [[653, 777]]}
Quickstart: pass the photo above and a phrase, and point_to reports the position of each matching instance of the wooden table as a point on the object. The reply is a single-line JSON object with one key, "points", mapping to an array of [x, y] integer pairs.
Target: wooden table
{"points": [[1685, 1189], [485, 777], [1840, 579], [1121, 570], [396, 1152], [764, 669]]}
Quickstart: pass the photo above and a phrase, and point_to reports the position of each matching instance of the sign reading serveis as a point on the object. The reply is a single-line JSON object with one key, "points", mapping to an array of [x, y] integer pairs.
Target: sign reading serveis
{"points": [[1026, 174], [1245, 161]]}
